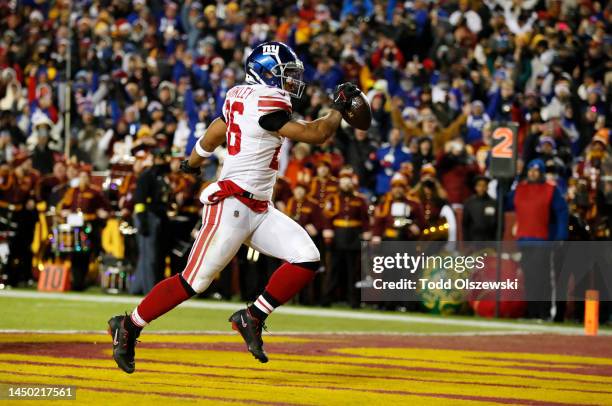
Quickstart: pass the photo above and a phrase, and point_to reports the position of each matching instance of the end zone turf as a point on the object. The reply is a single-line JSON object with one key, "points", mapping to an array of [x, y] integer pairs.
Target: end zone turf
{"points": [[308, 369]]}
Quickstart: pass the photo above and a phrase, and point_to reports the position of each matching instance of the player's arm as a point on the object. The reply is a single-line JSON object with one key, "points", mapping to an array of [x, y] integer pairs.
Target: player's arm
{"points": [[213, 137], [313, 132], [317, 131]]}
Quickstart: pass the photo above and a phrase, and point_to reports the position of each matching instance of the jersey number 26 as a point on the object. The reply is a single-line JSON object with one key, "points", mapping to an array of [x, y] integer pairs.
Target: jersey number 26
{"points": [[235, 134], [233, 129]]}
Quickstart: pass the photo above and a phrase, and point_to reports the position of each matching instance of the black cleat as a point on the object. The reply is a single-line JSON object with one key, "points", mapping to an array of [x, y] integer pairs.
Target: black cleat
{"points": [[250, 329], [124, 343]]}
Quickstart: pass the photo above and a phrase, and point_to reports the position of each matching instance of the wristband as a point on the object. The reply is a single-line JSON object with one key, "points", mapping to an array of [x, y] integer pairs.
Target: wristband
{"points": [[201, 151]]}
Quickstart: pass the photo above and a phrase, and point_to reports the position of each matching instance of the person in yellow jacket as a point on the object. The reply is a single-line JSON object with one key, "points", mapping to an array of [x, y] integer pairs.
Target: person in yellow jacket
{"points": [[427, 125]]}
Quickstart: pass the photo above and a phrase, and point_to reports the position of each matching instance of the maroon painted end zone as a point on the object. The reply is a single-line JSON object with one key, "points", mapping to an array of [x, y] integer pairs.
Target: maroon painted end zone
{"points": [[600, 346], [328, 345]]}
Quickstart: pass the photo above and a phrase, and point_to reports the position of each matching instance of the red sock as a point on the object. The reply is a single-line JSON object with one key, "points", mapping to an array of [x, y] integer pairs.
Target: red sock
{"points": [[164, 296], [287, 281]]}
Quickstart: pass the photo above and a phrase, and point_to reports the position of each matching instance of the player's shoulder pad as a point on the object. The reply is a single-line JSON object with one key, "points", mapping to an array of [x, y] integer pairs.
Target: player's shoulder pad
{"points": [[271, 99], [272, 91]]}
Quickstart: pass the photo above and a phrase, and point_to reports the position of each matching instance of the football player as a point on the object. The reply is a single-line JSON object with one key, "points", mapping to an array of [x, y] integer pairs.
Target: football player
{"points": [[237, 208]]}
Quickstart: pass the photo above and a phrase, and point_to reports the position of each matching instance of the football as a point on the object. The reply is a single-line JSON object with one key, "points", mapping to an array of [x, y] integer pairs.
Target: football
{"points": [[359, 115]]}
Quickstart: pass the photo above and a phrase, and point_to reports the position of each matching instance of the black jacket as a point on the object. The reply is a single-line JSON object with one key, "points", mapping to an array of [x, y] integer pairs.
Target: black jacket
{"points": [[479, 219], [153, 189], [43, 160]]}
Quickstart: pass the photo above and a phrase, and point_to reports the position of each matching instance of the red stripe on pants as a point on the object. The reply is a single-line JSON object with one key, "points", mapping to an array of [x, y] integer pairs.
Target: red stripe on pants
{"points": [[197, 246], [199, 236], [208, 240]]}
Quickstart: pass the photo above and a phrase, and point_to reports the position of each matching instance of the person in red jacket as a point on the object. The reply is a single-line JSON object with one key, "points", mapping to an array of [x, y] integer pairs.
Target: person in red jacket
{"points": [[541, 210], [456, 170], [541, 215]]}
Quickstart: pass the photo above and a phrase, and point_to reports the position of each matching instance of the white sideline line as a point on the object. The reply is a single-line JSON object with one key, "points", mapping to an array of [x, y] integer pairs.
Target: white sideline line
{"points": [[298, 311], [274, 333]]}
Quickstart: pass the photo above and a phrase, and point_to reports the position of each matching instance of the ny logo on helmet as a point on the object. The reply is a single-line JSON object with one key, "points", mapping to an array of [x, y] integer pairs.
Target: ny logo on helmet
{"points": [[270, 49]]}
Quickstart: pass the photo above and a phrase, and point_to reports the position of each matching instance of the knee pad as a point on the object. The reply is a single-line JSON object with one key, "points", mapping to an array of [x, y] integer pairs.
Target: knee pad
{"points": [[306, 254], [199, 283]]}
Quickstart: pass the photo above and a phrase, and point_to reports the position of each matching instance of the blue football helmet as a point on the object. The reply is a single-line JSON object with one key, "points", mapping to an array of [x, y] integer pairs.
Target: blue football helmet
{"points": [[275, 64]]}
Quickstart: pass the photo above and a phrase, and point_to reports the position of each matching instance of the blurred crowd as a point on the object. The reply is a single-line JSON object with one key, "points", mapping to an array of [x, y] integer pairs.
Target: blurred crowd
{"points": [[146, 76]]}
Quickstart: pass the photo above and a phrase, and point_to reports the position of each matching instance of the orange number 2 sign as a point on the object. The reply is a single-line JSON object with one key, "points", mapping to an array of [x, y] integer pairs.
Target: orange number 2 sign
{"points": [[504, 138]]}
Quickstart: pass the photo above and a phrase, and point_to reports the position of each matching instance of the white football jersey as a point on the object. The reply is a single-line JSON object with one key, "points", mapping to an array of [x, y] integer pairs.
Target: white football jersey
{"points": [[252, 152]]}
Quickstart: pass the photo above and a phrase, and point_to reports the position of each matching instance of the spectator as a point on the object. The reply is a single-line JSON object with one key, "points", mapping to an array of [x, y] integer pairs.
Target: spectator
{"points": [[93, 208], [381, 120], [347, 223], [502, 105], [429, 126], [480, 213], [475, 122], [43, 158], [306, 211], [150, 209], [324, 184], [358, 150], [17, 194], [465, 16], [397, 218], [297, 170], [389, 158], [48, 182], [328, 74], [436, 210], [541, 215], [154, 74], [456, 169], [42, 132], [422, 156]]}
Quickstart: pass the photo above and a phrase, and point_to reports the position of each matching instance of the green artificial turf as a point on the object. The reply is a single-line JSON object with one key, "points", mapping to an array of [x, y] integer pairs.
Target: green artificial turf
{"points": [[45, 313], [51, 314]]}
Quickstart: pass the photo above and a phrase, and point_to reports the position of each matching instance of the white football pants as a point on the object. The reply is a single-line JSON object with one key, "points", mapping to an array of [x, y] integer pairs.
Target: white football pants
{"points": [[229, 224]]}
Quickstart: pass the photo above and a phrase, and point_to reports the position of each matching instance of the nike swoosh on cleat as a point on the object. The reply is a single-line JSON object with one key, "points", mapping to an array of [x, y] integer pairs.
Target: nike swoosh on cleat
{"points": [[243, 323], [115, 342]]}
